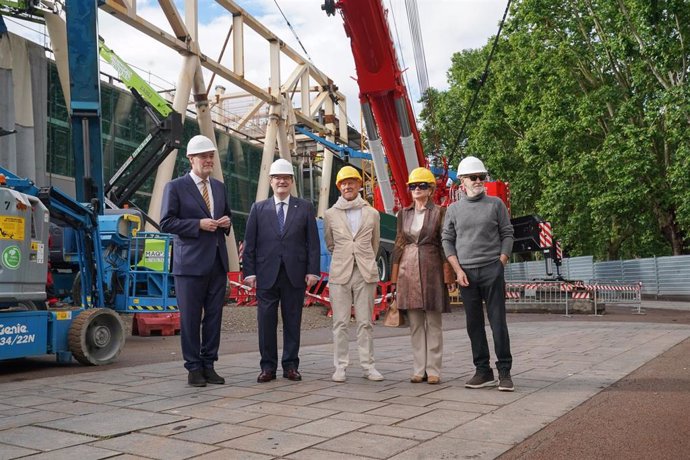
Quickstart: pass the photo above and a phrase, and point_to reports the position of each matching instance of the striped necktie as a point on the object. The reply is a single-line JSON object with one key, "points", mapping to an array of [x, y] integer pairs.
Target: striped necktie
{"points": [[204, 194]]}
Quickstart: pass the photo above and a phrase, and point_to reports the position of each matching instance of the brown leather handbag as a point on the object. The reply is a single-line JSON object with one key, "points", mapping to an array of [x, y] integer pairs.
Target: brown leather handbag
{"points": [[394, 317]]}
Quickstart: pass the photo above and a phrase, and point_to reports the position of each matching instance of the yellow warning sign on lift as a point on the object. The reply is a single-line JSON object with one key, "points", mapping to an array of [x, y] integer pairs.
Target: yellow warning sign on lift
{"points": [[11, 228]]}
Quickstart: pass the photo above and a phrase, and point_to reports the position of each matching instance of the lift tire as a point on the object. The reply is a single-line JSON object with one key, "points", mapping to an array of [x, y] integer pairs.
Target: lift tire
{"points": [[30, 305], [96, 337], [383, 265]]}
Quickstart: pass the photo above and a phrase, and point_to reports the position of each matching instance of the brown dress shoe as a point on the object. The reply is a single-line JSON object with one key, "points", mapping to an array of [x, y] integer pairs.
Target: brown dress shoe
{"points": [[266, 376], [292, 374]]}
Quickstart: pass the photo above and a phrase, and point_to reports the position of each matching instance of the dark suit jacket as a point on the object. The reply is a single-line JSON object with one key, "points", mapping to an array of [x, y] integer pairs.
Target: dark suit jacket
{"points": [[194, 250], [298, 247]]}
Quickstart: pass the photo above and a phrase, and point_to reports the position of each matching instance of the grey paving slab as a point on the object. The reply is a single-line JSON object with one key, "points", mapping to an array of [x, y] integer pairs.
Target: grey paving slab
{"points": [[313, 454], [179, 427], [419, 433], [368, 444], [8, 410], [160, 404], [449, 448], [34, 437], [219, 414], [274, 443], [29, 419], [30, 401], [287, 410], [398, 411], [275, 422], [349, 405], [327, 428], [75, 407], [365, 418], [8, 452], [215, 434], [275, 396], [233, 454], [439, 420], [154, 446], [149, 411], [76, 452], [111, 423]]}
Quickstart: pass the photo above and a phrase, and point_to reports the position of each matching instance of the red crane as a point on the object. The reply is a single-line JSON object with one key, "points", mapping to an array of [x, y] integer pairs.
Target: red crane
{"points": [[382, 92]]}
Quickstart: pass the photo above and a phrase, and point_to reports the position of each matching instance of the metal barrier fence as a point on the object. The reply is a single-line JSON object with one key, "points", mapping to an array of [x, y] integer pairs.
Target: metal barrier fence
{"points": [[667, 276], [564, 294], [611, 292]]}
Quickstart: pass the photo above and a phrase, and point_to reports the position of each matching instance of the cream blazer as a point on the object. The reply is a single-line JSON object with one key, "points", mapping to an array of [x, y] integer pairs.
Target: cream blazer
{"points": [[346, 249]]}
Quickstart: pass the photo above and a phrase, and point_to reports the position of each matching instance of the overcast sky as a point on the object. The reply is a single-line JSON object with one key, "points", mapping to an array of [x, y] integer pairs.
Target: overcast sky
{"points": [[447, 26]]}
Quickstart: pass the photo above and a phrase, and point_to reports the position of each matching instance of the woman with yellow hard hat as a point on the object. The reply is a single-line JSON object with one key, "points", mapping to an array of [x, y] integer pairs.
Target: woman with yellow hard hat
{"points": [[422, 274]]}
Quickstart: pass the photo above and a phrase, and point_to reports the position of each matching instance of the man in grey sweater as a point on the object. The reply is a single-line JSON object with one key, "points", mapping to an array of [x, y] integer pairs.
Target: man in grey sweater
{"points": [[478, 241]]}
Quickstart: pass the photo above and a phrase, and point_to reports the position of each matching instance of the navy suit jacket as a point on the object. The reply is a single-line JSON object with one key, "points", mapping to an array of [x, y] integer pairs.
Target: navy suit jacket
{"points": [[297, 247], [194, 250]]}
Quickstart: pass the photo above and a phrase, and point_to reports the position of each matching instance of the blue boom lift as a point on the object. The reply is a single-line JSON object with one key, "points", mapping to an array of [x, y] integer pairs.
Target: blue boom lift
{"points": [[115, 274]]}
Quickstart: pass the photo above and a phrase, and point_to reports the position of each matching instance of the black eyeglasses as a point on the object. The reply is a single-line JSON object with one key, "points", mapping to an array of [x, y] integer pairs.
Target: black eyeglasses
{"points": [[474, 177], [421, 186]]}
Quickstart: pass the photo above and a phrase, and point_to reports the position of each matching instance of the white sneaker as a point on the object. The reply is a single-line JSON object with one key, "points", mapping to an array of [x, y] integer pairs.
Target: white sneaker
{"points": [[339, 375], [373, 375]]}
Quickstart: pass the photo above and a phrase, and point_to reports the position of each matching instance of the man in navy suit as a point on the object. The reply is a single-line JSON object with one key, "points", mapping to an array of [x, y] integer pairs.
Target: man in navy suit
{"points": [[196, 211], [281, 259]]}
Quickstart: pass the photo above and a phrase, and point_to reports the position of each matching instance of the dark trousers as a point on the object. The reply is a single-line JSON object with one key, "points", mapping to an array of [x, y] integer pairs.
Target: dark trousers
{"points": [[200, 300], [487, 284], [291, 300]]}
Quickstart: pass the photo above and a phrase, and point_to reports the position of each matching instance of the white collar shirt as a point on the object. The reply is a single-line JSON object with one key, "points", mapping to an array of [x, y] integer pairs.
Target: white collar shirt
{"points": [[285, 208], [198, 181]]}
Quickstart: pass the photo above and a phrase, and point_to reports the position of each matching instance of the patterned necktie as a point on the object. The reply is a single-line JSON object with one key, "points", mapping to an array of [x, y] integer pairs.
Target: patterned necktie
{"points": [[204, 194], [281, 217]]}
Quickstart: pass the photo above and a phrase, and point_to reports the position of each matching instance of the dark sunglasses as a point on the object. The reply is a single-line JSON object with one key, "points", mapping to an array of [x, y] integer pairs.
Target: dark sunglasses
{"points": [[421, 186], [474, 177]]}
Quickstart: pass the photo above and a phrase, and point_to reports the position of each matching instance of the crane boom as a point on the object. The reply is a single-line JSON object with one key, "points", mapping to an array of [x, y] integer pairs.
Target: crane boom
{"points": [[383, 94]]}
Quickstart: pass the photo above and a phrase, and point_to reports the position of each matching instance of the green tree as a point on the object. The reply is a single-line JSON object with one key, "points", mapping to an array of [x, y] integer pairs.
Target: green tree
{"points": [[586, 113]]}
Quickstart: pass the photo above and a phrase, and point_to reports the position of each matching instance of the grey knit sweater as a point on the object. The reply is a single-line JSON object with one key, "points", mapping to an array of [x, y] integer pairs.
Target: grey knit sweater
{"points": [[477, 230]]}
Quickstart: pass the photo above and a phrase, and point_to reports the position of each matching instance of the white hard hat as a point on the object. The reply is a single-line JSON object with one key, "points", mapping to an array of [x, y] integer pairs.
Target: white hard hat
{"points": [[471, 165], [200, 144], [281, 167]]}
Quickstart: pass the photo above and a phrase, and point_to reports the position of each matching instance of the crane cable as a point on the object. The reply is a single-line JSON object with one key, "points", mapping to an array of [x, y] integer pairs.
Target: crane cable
{"points": [[293, 31], [482, 80]]}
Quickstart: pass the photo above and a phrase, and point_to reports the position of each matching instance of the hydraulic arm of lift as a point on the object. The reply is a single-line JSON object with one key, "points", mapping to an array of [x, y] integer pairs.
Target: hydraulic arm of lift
{"points": [[384, 99], [165, 136]]}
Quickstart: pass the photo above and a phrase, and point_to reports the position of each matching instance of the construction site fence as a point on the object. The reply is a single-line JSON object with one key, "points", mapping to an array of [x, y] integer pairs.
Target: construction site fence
{"points": [[667, 276], [319, 294], [566, 293]]}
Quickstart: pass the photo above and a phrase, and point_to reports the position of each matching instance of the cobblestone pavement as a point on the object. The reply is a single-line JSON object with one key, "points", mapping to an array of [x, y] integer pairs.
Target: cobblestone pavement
{"points": [[149, 411]]}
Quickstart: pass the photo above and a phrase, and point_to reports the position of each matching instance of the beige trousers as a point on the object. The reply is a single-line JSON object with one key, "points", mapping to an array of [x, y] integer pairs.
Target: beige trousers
{"points": [[427, 341], [360, 293]]}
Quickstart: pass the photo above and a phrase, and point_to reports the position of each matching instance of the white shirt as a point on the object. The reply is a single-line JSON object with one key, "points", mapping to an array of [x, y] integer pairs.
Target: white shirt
{"points": [[285, 208], [354, 218], [200, 186]]}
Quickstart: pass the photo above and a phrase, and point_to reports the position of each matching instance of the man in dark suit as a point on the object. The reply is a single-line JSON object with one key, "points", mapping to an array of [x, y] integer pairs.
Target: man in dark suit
{"points": [[281, 259], [196, 211]]}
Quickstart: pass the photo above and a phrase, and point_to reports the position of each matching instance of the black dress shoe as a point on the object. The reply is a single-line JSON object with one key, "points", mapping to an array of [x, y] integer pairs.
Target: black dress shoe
{"points": [[292, 374], [213, 378], [266, 376], [196, 378]]}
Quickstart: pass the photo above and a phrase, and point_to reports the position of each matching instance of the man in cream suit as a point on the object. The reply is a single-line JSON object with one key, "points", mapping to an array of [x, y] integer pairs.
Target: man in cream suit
{"points": [[352, 235]]}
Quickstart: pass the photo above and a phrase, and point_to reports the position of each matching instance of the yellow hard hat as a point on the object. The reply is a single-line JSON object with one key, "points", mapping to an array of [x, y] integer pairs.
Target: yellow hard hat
{"points": [[419, 175], [347, 172]]}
